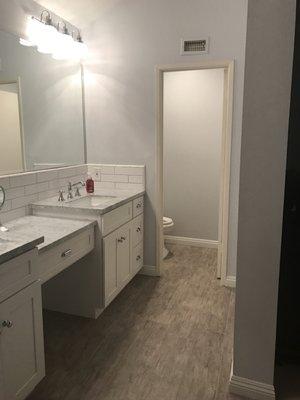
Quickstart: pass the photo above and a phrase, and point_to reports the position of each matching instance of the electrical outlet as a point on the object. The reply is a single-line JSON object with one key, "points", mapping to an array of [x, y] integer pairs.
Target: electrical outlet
{"points": [[98, 174]]}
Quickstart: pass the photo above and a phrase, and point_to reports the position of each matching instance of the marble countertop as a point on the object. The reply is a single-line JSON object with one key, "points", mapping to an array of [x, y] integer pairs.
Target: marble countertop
{"points": [[111, 199], [28, 232]]}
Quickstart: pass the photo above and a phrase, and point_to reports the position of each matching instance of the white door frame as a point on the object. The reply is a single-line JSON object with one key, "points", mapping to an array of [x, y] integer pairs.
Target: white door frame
{"points": [[228, 66]]}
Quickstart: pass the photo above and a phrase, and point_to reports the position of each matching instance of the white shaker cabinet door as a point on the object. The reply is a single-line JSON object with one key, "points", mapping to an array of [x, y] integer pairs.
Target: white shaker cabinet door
{"points": [[124, 255], [21, 343], [117, 261]]}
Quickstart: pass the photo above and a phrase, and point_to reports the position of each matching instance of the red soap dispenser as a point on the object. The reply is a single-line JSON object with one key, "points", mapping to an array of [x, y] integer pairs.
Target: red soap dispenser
{"points": [[90, 187]]}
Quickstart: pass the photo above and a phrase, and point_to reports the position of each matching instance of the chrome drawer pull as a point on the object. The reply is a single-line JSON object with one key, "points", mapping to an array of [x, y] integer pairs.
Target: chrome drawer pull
{"points": [[138, 205], [7, 324], [123, 238], [66, 253]]}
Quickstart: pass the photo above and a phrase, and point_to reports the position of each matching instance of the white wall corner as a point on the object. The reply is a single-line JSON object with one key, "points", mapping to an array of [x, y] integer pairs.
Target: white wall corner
{"points": [[149, 270], [230, 281], [251, 389]]}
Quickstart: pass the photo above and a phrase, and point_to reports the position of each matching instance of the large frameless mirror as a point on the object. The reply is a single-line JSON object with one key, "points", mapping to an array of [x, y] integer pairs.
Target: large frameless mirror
{"points": [[41, 115]]}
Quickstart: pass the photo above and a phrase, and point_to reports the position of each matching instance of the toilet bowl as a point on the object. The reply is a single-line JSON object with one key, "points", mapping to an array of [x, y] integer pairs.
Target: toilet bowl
{"points": [[168, 225]]}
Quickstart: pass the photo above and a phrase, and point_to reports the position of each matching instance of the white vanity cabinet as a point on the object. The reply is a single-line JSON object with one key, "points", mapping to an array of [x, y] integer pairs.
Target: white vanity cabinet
{"points": [[123, 249], [117, 268], [22, 363]]}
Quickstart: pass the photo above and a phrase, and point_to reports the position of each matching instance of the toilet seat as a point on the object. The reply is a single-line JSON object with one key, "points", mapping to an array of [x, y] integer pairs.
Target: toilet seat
{"points": [[167, 222]]}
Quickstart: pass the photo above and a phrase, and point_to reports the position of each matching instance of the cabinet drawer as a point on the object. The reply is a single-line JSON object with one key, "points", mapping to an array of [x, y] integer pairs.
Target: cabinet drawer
{"points": [[18, 273], [53, 261], [115, 218], [138, 206], [137, 230], [137, 258]]}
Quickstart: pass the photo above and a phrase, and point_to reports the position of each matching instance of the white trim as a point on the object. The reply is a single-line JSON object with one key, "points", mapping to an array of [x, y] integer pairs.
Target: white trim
{"points": [[228, 66], [186, 241], [149, 270], [230, 281], [251, 389]]}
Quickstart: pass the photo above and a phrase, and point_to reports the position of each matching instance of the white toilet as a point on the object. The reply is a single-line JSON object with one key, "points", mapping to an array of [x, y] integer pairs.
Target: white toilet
{"points": [[168, 225]]}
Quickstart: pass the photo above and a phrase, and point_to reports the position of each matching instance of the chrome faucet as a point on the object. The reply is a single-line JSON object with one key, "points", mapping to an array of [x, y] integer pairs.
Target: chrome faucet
{"points": [[61, 195], [76, 185], [70, 193]]}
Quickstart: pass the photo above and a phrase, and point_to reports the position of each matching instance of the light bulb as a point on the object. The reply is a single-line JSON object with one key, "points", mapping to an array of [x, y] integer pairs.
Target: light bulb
{"points": [[48, 39], [34, 30], [25, 42], [64, 47]]}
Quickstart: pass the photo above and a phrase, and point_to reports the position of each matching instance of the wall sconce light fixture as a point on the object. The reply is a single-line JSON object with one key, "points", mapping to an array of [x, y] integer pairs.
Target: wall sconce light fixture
{"points": [[48, 39]]}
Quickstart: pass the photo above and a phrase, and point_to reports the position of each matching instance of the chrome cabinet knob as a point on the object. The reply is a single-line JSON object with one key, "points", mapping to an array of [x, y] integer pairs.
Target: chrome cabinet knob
{"points": [[123, 238], [7, 324], [138, 229], [138, 258], [138, 205]]}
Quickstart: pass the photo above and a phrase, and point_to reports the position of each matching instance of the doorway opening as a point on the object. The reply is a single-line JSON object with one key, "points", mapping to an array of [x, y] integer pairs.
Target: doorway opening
{"points": [[175, 84]]}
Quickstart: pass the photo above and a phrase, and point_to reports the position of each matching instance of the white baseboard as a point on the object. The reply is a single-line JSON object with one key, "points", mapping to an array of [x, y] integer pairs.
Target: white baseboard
{"points": [[191, 241], [230, 281], [149, 270], [251, 389]]}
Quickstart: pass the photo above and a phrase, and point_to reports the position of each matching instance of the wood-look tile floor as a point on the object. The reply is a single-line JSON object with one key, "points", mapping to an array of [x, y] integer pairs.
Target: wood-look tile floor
{"points": [[167, 338]]}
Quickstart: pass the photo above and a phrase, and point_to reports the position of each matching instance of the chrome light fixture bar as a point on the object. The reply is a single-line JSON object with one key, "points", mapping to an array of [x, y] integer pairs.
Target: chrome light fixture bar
{"points": [[48, 39]]}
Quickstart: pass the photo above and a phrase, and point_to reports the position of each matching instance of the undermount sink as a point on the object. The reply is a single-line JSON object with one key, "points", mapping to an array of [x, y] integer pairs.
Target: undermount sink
{"points": [[91, 201]]}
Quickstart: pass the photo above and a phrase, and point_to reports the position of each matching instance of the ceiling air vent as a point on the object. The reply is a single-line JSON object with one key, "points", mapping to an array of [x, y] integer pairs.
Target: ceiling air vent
{"points": [[194, 46]]}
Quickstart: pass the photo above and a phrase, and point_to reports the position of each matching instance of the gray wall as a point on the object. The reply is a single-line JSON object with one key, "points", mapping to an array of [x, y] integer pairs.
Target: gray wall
{"points": [[193, 119], [269, 54], [126, 42]]}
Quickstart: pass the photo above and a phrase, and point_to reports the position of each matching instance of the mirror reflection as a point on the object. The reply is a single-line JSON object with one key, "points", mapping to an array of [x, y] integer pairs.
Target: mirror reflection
{"points": [[41, 117]]}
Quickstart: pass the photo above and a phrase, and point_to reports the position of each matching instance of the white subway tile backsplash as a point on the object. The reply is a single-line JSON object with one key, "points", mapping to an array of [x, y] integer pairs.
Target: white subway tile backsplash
{"points": [[104, 185], [72, 171], [114, 178], [47, 194], [118, 174], [13, 214], [23, 201], [12, 193], [106, 169], [6, 206], [129, 170], [47, 176], [4, 182], [131, 186], [23, 189], [54, 184], [22, 180], [136, 179], [36, 188]]}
